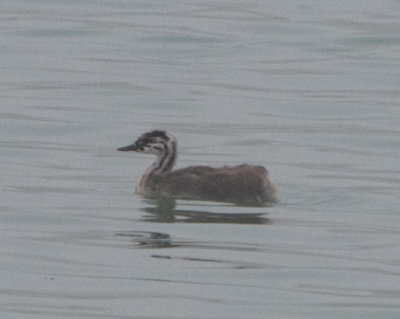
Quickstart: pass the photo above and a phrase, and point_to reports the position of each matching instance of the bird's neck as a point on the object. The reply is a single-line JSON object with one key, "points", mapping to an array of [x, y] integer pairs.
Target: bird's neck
{"points": [[164, 163], [165, 160]]}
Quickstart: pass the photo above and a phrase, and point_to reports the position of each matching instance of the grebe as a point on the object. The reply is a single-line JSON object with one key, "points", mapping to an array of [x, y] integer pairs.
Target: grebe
{"points": [[245, 184]]}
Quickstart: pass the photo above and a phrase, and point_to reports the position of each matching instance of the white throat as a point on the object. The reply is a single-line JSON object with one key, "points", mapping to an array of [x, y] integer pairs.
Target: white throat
{"points": [[164, 163]]}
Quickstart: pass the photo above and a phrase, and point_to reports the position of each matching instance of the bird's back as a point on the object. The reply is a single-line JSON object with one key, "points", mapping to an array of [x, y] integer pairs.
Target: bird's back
{"points": [[239, 184]]}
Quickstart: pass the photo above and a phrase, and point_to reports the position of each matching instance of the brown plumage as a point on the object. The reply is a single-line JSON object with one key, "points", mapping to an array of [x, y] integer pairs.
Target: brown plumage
{"points": [[243, 184]]}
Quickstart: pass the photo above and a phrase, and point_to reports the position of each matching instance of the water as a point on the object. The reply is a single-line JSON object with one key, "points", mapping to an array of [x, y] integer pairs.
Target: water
{"points": [[309, 90]]}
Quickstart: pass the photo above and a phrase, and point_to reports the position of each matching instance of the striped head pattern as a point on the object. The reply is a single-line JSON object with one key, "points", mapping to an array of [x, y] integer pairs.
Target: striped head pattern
{"points": [[157, 142]]}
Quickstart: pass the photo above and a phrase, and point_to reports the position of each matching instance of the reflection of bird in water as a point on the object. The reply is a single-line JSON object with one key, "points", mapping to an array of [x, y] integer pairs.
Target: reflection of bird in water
{"points": [[162, 210], [245, 184]]}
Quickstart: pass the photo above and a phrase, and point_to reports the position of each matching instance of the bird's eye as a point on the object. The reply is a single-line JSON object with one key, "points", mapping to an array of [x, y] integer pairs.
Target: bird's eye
{"points": [[139, 145]]}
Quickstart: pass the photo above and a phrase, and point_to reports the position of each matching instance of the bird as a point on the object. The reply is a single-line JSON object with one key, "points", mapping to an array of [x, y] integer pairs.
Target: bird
{"points": [[242, 184]]}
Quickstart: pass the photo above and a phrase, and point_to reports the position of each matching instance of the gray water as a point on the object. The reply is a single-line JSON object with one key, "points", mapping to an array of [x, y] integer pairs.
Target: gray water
{"points": [[309, 89]]}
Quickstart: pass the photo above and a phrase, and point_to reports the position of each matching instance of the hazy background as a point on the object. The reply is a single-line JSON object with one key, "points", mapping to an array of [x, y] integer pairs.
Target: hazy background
{"points": [[310, 90]]}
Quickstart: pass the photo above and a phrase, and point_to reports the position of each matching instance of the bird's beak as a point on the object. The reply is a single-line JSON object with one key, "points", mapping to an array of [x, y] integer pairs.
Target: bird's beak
{"points": [[128, 148]]}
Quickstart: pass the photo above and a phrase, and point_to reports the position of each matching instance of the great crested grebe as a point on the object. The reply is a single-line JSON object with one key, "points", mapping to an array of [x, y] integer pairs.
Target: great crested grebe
{"points": [[246, 184]]}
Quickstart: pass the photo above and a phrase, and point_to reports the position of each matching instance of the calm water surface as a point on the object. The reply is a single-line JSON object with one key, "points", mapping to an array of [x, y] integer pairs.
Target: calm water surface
{"points": [[309, 90]]}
